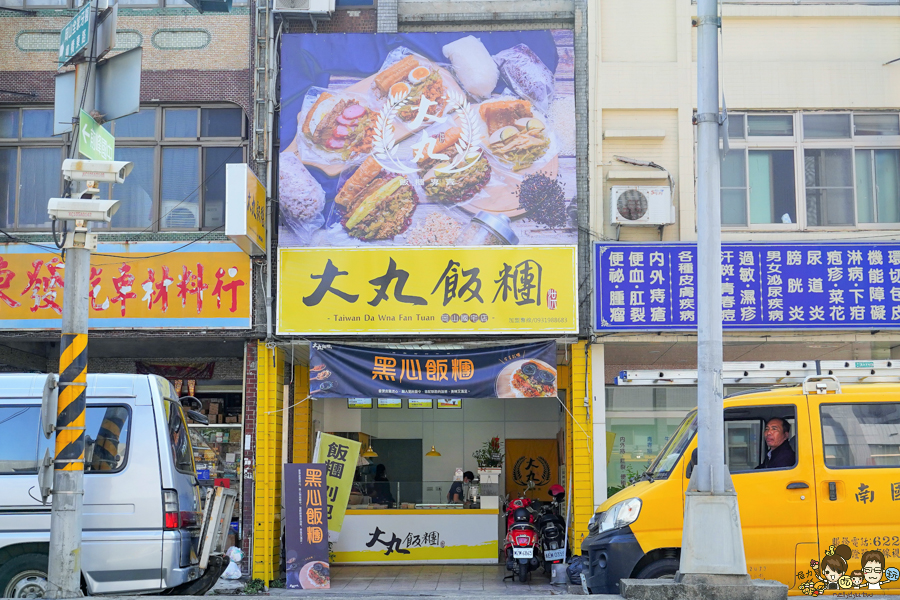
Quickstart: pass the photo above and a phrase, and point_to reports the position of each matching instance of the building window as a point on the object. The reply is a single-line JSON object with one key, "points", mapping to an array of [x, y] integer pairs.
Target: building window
{"points": [[178, 180], [811, 170]]}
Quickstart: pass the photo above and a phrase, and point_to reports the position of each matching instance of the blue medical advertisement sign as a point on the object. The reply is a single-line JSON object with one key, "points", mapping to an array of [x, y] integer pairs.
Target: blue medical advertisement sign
{"points": [[793, 285]]}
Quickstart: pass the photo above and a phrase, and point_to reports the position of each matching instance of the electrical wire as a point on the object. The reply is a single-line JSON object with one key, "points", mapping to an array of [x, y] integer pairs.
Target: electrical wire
{"points": [[137, 258]]}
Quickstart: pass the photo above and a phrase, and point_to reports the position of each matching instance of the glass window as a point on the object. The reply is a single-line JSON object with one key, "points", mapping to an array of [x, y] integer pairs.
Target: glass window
{"points": [[37, 123], [136, 194], [179, 438], [770, 125], [39, 180], [8, 162], [138, 125], [826, 126], [181, 123], [180, 193], [674, 448], [771, 191], [829, 187], [861, 435], [19, 430], [742, 444], [876, 124], [214, 163], [878, 186], [9, 123], [734, 188], [105, 438], [221, 122]]}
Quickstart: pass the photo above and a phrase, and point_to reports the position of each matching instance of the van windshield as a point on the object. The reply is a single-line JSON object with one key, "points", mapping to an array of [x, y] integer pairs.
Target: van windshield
{"points": [[674, 448]]}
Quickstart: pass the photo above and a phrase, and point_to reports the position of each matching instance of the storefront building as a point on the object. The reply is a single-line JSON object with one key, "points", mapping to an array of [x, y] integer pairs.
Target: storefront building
{"points": [[170, 295], [407, 236], [809, 191]]}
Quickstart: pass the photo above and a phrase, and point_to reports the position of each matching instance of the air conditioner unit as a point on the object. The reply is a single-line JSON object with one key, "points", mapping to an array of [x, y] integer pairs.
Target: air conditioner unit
{"points": [[304, 6], [642, 205], [180, 215]]}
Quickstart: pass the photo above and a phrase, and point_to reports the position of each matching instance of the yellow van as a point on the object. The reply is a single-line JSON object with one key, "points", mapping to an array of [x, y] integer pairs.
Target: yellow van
{"points": [[829, 521]]}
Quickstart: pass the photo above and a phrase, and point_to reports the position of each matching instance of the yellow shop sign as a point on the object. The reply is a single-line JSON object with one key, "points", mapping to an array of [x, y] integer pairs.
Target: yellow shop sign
{"points": [[419, 290]]}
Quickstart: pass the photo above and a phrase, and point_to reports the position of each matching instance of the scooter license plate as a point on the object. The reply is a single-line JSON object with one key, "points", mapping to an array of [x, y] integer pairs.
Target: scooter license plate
{"points": [[523, 552], [558, 554]]}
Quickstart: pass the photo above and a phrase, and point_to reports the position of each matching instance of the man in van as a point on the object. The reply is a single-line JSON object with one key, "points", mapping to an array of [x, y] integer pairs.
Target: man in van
{"points": [[780, 454]]}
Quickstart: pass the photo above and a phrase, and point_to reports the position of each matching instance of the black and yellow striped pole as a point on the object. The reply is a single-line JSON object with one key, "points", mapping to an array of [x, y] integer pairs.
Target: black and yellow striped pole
{"points": [[69, 455]]}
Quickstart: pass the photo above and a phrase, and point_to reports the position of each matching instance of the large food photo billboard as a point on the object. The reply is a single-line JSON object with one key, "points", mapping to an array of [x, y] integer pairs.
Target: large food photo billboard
{"points": [[427, 139]]}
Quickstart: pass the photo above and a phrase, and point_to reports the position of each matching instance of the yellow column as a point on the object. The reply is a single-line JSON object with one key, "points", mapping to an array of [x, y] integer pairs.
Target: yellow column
{"points": [[579, 459], [267, 495], [302, 416]]}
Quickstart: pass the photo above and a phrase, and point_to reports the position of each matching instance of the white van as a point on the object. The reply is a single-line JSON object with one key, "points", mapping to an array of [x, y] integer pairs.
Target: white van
{"points": [[142, 512]]}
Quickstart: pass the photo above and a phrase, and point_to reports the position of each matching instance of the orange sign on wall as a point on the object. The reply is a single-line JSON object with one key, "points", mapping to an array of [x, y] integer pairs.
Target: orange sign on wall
{"points": [[164, 285]]}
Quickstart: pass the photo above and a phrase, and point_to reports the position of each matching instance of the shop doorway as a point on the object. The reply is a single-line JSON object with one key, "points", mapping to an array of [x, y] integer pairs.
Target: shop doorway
{"points": [[531, 467], [402, 460]]}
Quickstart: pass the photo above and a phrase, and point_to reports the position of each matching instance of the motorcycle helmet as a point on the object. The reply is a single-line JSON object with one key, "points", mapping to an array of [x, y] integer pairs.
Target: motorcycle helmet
{"points": [[557, 492], [521, 515]]}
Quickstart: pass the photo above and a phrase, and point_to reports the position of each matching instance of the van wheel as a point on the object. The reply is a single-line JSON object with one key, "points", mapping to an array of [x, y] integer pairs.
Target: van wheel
{"points": [[664, 568], [24, 576]]}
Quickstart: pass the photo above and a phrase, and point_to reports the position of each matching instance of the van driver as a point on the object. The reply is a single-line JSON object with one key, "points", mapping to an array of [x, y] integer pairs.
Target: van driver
{"points": [[780, 453]]}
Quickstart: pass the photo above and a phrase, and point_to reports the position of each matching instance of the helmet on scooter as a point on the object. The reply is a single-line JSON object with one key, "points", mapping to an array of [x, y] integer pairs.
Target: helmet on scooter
{"points": [[521, 515], [557, 492]]}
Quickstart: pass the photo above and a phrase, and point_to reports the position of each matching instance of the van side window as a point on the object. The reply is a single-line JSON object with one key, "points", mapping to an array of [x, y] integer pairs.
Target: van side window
{"points": [[106, 438], [861, 435], [760, 438], [19, 431], [179, 438]]}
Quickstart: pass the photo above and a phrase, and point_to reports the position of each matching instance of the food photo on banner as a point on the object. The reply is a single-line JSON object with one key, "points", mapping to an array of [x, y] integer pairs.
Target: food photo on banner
{"points": [[518, 371], [790, 285], [306, 526], [427, 139]]}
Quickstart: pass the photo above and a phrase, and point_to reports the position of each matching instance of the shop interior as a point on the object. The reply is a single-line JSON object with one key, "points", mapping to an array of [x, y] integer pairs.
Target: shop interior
{"points": [[422, 444]]}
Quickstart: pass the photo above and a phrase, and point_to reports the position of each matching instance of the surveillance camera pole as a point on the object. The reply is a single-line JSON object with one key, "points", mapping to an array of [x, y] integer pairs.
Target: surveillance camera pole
{"points": [[712, 545], [68, 480]]}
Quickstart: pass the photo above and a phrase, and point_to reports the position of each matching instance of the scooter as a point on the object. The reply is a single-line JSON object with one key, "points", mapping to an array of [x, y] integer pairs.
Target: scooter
{"points": [[552, 530], [521, 544]]}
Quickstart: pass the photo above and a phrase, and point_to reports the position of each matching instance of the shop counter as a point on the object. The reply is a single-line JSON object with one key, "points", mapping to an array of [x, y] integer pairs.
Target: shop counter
{"points": [[418, 536]]}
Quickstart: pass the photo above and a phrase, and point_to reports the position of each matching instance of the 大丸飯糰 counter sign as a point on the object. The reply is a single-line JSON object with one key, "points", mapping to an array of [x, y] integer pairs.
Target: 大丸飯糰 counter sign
{"points": [[339, 456]]}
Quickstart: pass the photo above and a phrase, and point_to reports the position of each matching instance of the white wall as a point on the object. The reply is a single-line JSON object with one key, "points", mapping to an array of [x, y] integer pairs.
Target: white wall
{"points": [[455, 433]]}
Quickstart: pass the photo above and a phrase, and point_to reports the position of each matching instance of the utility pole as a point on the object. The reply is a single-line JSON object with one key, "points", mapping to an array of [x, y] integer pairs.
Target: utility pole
{"points": [[68, 478], [712, 544]]}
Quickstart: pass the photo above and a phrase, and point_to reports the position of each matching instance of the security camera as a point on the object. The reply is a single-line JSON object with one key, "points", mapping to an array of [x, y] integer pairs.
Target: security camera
{"points": [[105, 171], [86, 210]]}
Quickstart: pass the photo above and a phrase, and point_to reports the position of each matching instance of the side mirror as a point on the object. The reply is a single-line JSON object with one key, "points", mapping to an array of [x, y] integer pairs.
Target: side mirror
{"points": [[691, 464], [191, 401], [197, 417]]}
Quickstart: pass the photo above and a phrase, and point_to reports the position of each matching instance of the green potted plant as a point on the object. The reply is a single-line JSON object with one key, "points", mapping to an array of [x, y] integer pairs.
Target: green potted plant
{"points": [[490, 461]]}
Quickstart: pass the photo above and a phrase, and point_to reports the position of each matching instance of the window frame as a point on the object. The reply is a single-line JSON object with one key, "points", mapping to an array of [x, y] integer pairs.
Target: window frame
{"points": [[158, 141], [799, 145], [822, 433], [772, 411]]}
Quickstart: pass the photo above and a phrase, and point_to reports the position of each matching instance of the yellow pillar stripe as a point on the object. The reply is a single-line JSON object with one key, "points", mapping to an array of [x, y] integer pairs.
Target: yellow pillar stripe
{"points": [[70, 393], [72, 466], [64, 437], [77, 346]]}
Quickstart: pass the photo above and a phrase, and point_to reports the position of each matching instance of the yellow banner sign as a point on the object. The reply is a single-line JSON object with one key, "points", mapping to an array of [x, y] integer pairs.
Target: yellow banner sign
{"points": [[157, 287], [340, 456], [417, 290]]}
